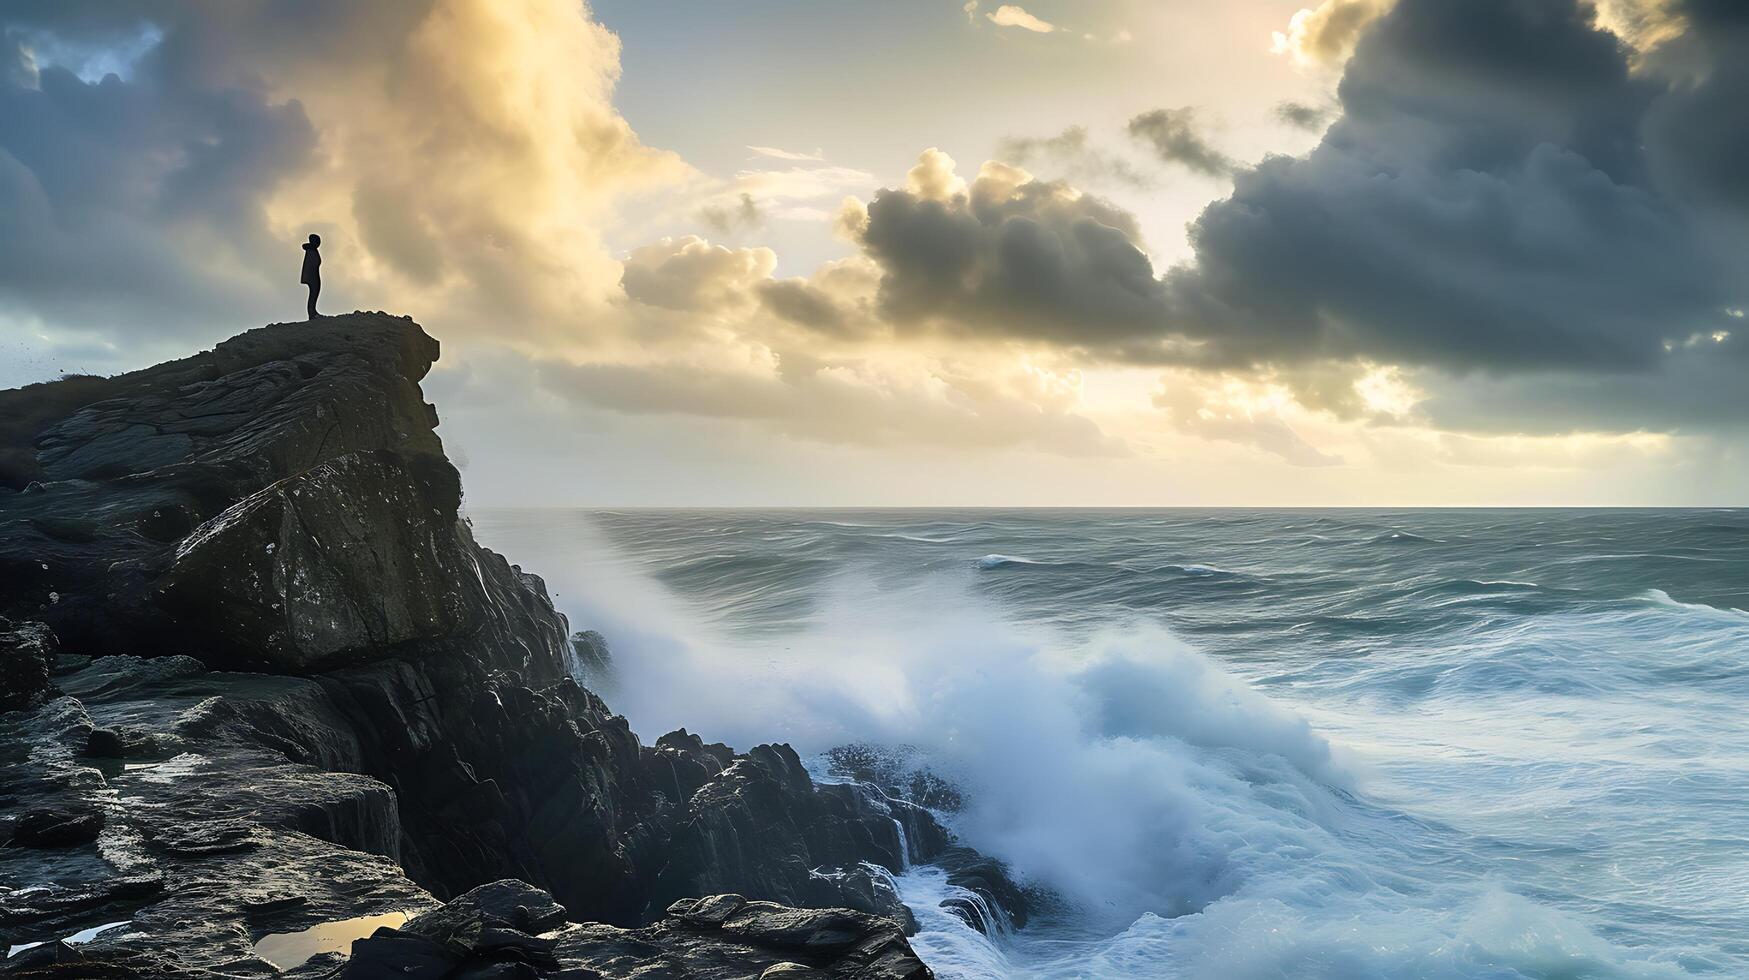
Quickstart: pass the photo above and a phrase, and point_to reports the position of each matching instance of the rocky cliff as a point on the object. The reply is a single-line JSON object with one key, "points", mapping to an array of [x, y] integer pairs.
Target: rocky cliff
{"points": [[262, 691]]}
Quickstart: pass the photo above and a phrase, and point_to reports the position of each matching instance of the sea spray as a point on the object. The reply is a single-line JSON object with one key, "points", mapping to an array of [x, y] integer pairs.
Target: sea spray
{"points": [[1191, 822]]}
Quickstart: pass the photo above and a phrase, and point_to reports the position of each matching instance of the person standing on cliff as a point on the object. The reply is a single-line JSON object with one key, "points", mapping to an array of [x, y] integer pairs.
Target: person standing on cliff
{"points": [[312, 276]]}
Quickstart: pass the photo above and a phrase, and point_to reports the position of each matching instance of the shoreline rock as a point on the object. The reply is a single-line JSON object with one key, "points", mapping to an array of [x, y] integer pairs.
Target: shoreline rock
{"points": [[260, 677]]}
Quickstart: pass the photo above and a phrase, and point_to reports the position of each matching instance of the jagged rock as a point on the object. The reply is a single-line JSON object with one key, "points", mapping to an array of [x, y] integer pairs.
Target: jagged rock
{"points": [[126, 467], [27, 658], [339, 563], [899, 773], [708, 912], [680, 763], [281, 504], [753, 940], [896, 770], [865, 887], [199, 852], [989, 878], [57, 825], [592, 662], [762, 827]]}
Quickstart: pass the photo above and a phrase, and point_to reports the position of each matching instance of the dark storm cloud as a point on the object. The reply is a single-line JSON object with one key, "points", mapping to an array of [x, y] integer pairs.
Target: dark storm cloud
{"points": [[453, 154], [1482, 203], [1031, 259], [1700, 130], [102, 183], [1500, 194], [1173, 136], [1703, 386]]}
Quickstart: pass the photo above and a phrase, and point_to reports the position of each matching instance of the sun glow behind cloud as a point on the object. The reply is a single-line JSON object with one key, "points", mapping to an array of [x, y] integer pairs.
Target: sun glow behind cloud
{"points": [[468, 162]]}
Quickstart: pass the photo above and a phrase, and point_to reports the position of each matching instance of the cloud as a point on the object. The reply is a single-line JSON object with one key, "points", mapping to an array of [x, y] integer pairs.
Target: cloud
{"points": [[1009, 15], [455, 154], [1325, 35], [694, 275], [933, 178], [1074, 155], [1505, 209], [836, 301], [1007, 256], [1519, 453], [1700, 128], [1482, 204], [91, 231], [799, 302], [779, 154], [1303, 116], [1173, 136], [1209, 416], [746, 214], [1527, 223], [846, 402], [797, 193]]}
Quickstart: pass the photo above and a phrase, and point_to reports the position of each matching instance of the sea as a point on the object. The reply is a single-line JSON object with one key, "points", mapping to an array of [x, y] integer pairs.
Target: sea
{"points": [[1235, 743]]}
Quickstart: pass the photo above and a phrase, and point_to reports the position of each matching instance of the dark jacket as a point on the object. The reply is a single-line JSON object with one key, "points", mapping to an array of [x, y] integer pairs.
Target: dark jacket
{"points": [[312, 264]]}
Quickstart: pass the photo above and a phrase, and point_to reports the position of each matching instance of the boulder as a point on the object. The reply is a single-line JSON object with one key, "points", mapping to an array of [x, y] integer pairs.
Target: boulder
{"points": [[334, 565]]}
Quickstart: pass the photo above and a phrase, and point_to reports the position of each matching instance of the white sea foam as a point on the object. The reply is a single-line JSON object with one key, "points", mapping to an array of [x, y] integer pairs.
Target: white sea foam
{"points": [[1662, 598], [1193, 826], [1003, 561]]}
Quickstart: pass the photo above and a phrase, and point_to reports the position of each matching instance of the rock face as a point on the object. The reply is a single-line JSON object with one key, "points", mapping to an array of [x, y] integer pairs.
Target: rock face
{"points": [[108, 491], [410, 731], [28, 652]]}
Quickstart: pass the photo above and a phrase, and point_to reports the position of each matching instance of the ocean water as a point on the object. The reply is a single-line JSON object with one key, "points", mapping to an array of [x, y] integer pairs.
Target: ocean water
{"points": [[1237, 743]]}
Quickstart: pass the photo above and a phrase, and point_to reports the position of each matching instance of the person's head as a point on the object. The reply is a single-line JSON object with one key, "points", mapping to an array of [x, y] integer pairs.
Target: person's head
{"points": [[315, 239]]}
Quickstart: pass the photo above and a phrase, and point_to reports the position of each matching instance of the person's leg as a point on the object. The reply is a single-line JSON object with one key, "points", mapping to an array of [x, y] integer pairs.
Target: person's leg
{"points": [[315, 289]]}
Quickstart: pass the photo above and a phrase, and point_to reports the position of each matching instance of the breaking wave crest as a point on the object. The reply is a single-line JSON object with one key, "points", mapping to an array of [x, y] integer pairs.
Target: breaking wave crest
{"points": [[1188, 822]]}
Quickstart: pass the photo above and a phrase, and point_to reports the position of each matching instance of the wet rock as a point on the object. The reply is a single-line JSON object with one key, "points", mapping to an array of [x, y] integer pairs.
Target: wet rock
{"points": [[127, 466], [105, 743], [592, 663], [990, 879], [761, 827], [410, 727], [334, 565], [720, 937], [27, 657], [57, 825], [898, 772], [756, 940], [711, 911], [864, 887], [810, 929]]}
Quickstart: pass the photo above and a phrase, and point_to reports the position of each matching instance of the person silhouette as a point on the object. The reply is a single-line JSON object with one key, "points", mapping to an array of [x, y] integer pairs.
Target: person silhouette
{"points": [[312, 276]]}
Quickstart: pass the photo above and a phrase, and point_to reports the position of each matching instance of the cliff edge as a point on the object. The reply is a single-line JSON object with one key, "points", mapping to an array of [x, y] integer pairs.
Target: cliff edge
{"points": [[261, 691]]}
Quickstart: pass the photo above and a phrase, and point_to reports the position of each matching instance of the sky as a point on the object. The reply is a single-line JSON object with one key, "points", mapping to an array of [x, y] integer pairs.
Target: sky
{"points": [[931, 252]]}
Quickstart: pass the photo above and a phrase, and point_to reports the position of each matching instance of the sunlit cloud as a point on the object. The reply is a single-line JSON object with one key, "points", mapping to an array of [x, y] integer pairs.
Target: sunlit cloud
{"points": [[779, 154], [1009, 15], [1447, 276], [1324, 35]]}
